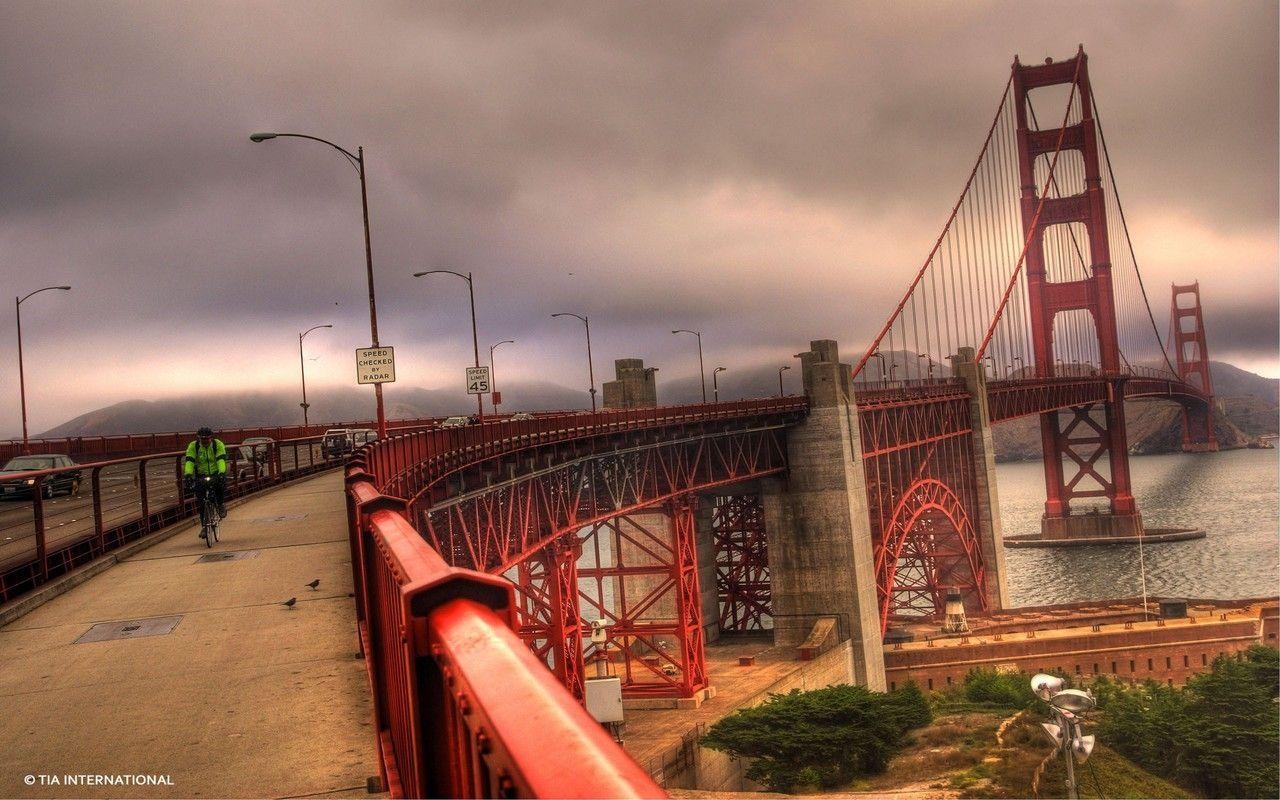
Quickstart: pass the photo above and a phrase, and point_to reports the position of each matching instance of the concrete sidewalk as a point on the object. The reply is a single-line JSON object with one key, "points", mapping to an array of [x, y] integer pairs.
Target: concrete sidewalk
{"points": [[243, 698]]}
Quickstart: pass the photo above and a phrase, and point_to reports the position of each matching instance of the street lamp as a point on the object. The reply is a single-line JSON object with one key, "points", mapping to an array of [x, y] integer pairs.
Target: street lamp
{"points": [[992, 361], [1066, 705], [926, 356], [702, 372], [357, 160], [302, 362], [475, 343], [715, 385], [493, 381], [22, 385], [780, 371], [1023, 366], [879, 355], [591, 372]]}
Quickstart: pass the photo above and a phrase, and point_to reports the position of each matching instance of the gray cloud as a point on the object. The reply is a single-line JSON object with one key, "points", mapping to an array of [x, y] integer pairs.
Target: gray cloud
{"points": [[767, 172]]}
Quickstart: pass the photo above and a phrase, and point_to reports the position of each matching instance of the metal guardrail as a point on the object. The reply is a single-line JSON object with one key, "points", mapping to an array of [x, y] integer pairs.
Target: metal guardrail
{"points": [[462, 707], [127, 498], [136, 444]]}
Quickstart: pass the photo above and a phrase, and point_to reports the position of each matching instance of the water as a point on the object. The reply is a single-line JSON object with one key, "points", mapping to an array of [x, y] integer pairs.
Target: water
{"points": [[1231, 495]]}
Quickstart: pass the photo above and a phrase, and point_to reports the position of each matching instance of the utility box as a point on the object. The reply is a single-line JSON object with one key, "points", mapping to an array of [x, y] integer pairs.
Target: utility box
{"points": [[604, 698], [1173, 608]]}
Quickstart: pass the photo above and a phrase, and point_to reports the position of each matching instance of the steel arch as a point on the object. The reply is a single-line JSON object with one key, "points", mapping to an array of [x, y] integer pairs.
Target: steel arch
{"points": [[929, 545]]}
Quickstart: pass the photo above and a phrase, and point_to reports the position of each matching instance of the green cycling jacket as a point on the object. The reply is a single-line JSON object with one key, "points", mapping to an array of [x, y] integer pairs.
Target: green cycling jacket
{"points": [[211, 460]]}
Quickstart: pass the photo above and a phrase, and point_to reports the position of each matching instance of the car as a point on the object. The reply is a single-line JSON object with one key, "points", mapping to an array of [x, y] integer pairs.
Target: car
{"points": [[336, 443], [519, 416], [68, 482], [455, 422], [362, 436], [255, 452]]}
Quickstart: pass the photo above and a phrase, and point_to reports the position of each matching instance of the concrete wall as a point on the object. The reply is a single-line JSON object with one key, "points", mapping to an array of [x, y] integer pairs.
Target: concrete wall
{"points": [[635, 386], [820, 550], [1168, 653]]}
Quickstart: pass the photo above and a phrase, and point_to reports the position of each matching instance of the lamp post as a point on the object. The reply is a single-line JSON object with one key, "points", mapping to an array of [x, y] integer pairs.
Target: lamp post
{"points": [[702, 372], [1067, 706], [493, 381], [591, 372], [879, 355], [22, 384], [780, 371], [1018, 360], [303, 364], [475, 342], [992, 361], [715, 385], [356, 160], [930, 360]]}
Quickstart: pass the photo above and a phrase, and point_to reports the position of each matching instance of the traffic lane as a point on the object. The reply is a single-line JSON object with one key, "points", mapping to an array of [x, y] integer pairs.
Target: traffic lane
{"points": [[70, 519]]}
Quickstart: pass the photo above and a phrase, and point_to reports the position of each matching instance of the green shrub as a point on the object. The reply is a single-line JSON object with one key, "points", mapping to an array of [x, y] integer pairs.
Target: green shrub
{"points": [[825, 738], [1004, 689], [1218, 736]]}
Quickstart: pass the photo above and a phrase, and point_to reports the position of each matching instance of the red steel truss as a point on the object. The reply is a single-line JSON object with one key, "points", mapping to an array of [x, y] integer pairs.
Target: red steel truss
{"points": [[742, 563], [919, 472], [928, 547], [1092, 294], [1191, 354], [636, 572], [495, 528]]}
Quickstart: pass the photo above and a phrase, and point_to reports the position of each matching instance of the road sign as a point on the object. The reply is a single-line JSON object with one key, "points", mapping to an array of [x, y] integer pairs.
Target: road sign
{"points": [[477, 380], [376, 365]]}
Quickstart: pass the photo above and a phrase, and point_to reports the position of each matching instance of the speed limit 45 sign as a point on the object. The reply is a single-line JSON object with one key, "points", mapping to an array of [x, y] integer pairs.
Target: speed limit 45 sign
{"points": [[477, 380]]}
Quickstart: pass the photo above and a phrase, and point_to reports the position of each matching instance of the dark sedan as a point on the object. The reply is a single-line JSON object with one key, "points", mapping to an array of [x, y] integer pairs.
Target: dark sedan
{"points": [[67, 482]]}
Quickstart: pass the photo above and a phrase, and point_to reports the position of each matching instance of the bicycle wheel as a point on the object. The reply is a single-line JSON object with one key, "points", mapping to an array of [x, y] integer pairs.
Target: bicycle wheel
{"points": [[209, 524]]}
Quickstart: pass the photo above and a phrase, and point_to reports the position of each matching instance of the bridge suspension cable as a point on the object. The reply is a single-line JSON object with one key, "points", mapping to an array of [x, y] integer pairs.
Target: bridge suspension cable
{"points": [[972, 288], [954, 287]]}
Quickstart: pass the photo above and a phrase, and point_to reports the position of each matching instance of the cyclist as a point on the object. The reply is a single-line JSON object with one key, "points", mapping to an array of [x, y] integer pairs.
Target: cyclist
{"points": [[206, 456]]}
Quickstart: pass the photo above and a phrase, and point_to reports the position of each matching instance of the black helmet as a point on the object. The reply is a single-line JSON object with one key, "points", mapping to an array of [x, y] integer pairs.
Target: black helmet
{"points": [[205, 432]]}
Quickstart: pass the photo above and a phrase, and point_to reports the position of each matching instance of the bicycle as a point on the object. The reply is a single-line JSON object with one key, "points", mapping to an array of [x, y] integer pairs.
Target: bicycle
{"points": [[208, 507]]}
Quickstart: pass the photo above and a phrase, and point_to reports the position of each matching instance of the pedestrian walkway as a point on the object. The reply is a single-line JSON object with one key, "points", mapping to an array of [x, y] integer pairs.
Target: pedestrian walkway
{"points": [[216, 689]]}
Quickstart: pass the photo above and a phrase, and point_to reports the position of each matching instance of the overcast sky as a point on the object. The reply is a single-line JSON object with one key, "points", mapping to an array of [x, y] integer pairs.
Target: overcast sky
{"points": [[767, 173]]}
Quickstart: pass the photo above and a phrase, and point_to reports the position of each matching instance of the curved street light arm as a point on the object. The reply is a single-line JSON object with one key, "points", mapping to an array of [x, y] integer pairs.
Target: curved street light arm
{"points": [[45, 289], [313, 328], [352, 157], [466, 277]]}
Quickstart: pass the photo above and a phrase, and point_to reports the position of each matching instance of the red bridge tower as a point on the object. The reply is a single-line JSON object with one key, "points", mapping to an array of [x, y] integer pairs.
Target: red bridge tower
{"points": [[1098, 430]]}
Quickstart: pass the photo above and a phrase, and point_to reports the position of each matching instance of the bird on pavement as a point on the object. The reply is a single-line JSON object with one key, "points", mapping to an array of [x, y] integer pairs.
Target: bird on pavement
{"points": [[314, 584], [289, 603]]}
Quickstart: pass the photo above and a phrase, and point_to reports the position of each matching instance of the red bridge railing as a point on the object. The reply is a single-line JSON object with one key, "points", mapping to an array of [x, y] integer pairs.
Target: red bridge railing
{"points": [[462, 707], [115, 502]]}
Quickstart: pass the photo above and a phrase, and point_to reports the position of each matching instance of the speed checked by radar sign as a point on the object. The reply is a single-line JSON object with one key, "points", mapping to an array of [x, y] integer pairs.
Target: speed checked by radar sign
{"points": [[477, 380], [376, 365]]}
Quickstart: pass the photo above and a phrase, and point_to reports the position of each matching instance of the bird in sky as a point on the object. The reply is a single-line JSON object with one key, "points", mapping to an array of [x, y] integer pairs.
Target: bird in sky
{"points": [[314, 584], [289, 603]]}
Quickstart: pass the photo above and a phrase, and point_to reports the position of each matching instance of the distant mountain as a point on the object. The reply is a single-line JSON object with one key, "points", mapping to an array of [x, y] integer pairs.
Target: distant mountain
{"points": [[266, 409], [1249, 403]]}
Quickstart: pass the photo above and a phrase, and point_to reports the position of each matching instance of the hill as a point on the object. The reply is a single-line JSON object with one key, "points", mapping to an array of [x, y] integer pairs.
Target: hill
{"points": [[238, 410], [1249, 405]]}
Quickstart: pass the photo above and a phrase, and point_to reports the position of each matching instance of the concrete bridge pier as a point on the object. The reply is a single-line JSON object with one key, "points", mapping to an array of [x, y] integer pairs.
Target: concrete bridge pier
{"points": [[986, 516], [819, 531]]}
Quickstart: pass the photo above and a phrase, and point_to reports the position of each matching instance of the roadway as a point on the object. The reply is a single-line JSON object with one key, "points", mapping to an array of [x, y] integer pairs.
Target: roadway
{"points": [[69, 518], [242, 698]]}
